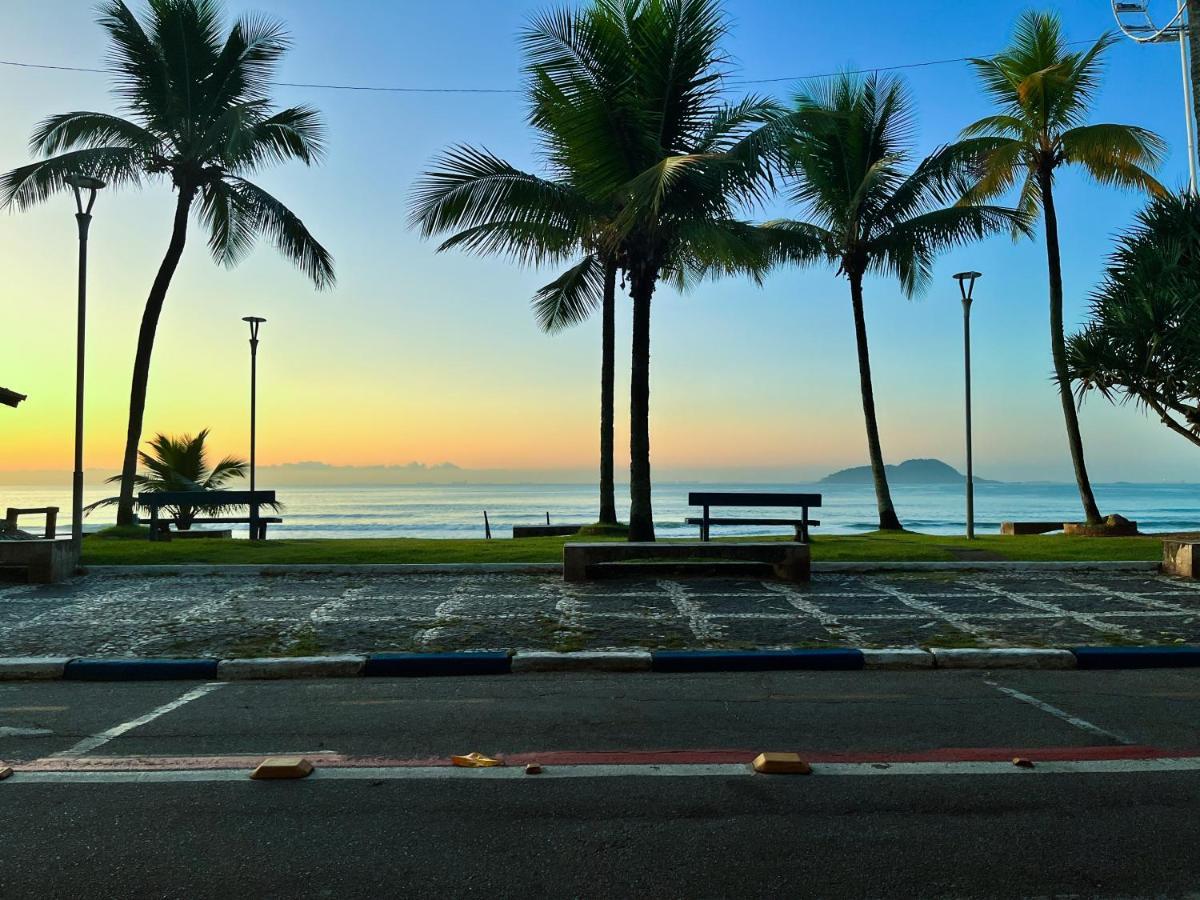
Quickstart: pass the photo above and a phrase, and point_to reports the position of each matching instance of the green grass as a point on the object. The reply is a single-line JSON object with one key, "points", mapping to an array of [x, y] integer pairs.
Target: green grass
{"points": [[109, 548]]}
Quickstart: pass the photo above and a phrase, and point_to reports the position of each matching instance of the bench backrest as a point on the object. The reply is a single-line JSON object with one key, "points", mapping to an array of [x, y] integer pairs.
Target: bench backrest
{"points": [[159, 499], [748, 498]]}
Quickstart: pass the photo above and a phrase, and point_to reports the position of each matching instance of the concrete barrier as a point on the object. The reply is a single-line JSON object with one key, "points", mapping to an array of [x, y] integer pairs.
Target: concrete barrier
{"points": [[897, 658], [134, 669], [821, 660], [434, 664]]}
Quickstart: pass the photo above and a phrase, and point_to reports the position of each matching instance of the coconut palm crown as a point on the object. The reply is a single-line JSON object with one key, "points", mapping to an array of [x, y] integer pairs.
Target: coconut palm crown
{"points": [[1043, 93], [866, 212], [198, 115]]}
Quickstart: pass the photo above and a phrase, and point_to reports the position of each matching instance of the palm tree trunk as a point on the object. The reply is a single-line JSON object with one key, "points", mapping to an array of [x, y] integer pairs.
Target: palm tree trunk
{"points": [[1058, 349], [888, 520], [145, 346], [608, 500], [641, 513]]}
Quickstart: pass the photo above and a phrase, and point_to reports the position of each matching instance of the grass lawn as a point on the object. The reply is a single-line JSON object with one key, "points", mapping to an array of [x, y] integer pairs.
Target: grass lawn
{"points": [[101, 549]]}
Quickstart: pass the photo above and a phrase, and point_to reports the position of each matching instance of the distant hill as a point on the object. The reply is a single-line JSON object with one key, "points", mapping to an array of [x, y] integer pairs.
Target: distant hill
{"points": [[911, 471]]}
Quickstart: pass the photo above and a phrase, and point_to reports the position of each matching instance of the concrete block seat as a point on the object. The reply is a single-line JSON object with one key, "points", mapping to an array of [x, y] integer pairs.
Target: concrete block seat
{"points": [[1181, 557], [40, 560], [785, 560]]}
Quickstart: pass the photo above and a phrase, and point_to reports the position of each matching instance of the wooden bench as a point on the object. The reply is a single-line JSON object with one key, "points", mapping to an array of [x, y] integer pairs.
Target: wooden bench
{"points": [[12, 515], [160, 529], [709, 499]]}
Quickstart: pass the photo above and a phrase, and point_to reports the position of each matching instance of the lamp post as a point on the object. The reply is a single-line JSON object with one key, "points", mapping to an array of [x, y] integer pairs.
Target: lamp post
{"points": [[966, 285], [255, 322], [80, 185]]}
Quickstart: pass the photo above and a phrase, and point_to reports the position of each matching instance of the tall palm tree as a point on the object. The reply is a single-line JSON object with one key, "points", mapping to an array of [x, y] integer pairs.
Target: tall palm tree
{"points": [[493, 207], [1043, 93], [199, 116], [846, 156], [630, 90]]}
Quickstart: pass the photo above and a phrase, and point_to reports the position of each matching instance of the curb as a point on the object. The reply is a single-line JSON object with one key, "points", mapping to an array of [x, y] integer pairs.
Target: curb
{"points": [[866, 567], [494, 662]]}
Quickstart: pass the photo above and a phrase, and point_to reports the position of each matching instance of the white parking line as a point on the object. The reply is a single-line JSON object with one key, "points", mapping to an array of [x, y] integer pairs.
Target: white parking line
{"points": [[554, 773], [87, 745], [1082, 724]]}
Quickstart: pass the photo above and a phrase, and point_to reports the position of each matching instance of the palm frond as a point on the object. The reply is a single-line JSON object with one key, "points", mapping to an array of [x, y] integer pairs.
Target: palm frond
{"points": [[29, 185], [286, 231], [571, 297]]}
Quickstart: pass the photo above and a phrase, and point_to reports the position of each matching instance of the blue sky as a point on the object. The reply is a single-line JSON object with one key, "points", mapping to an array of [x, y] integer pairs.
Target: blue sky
{"points": [[432, 358]]}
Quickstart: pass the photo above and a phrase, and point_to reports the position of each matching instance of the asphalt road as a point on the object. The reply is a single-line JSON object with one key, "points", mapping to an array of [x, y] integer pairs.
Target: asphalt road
{"points": [[389, 831]]}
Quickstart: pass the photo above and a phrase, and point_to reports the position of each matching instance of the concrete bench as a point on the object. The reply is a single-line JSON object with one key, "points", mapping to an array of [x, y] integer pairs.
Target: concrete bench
{"points": [[1019, 528], [41, 561], [1181, 558], [534, 531], [786, 560]]}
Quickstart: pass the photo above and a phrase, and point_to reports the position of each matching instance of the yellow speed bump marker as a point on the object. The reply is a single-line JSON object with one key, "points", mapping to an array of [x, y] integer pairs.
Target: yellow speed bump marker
{"points": [[781, 764], [5, 771], [475, 761], [283, 767]]}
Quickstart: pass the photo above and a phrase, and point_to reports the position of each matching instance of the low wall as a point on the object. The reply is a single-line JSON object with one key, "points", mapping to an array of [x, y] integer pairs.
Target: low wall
{"points": [[1181, 558], [45, 561]]}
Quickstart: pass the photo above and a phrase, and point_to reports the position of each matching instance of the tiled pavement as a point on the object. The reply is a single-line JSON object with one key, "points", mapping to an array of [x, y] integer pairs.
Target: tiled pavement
{"points": [[238, 615]]}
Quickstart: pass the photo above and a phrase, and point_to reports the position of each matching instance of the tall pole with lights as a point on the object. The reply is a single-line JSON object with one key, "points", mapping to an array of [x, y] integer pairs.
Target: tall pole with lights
{"points": [[966, 286], [254, 322], [85, 189]]}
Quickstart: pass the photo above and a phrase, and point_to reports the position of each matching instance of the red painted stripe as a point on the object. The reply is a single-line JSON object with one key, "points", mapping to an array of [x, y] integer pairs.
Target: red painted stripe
{"points": [[608, 757]]}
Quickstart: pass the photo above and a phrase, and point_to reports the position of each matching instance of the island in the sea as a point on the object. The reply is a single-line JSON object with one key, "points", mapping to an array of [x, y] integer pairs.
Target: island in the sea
{"points": [[911, 471]]}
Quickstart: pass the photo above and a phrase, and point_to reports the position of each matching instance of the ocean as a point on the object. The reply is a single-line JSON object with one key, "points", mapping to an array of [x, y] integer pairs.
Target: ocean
{"points": [[456, 510]]}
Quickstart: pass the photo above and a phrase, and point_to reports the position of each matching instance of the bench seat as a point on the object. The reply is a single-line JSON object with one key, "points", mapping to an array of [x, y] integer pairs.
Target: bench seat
{"points": [[785, 560]]}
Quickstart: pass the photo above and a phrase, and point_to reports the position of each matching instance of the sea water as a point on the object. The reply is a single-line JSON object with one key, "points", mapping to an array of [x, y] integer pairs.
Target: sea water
{"points": [[456, 510]]}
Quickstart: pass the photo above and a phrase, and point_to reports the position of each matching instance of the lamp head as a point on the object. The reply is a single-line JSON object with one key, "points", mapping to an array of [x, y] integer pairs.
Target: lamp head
{"points": [[966, 283], [255, 322], [80, 183]]}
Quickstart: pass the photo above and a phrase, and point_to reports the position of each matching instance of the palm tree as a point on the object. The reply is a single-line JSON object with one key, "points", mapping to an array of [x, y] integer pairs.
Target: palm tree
{"points": [[846, 155], [1142, 342], [179, 464], [200, 117], [1043, 92], [493, 207], [629, 93]]}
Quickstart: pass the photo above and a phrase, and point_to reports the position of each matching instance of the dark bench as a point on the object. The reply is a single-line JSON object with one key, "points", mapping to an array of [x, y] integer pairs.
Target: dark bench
{"points": [[160, 529], [709, 499]]}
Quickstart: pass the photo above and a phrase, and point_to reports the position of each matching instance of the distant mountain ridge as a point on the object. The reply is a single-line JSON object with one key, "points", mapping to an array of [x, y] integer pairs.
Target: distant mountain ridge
{"points": [[911, 471]]}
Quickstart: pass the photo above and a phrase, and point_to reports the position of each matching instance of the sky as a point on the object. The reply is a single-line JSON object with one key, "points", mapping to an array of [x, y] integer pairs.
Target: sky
{"points": [[431, 358]]}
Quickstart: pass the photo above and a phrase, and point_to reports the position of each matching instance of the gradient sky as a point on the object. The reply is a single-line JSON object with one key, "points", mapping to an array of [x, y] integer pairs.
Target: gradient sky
{"points": [[423, 357]]}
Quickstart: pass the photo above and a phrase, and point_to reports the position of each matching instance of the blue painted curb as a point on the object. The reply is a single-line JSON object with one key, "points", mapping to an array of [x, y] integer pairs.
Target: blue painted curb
{"points": [[1136, 657], [140, 670], [754, 660], [417, 664]]}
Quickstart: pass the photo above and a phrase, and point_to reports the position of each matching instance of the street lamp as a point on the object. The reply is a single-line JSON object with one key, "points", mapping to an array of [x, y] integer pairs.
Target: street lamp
{"points": [[966, 285], [80, 185], [255, 322]]}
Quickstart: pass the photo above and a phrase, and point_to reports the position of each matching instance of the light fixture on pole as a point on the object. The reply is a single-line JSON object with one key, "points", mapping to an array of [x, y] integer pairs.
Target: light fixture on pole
{"points": [[966, 285], [255, 322], [80, 185], [1139, 22]]}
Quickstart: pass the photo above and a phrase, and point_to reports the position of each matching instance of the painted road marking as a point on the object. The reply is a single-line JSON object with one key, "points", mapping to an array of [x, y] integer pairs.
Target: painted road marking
{"points": [[1082, 724], [87, 745], [685, 770]]}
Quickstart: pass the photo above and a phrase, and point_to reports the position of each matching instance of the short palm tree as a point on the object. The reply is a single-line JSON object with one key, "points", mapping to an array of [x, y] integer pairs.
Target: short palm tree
{"points": [[200, 117], [866, 213], [180, 464], [629, 92], [1142, 341], [1043, 93]]}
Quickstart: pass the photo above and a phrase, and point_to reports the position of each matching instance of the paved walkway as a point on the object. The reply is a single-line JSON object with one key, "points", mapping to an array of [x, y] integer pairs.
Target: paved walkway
{"points": [[238, 615]]}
